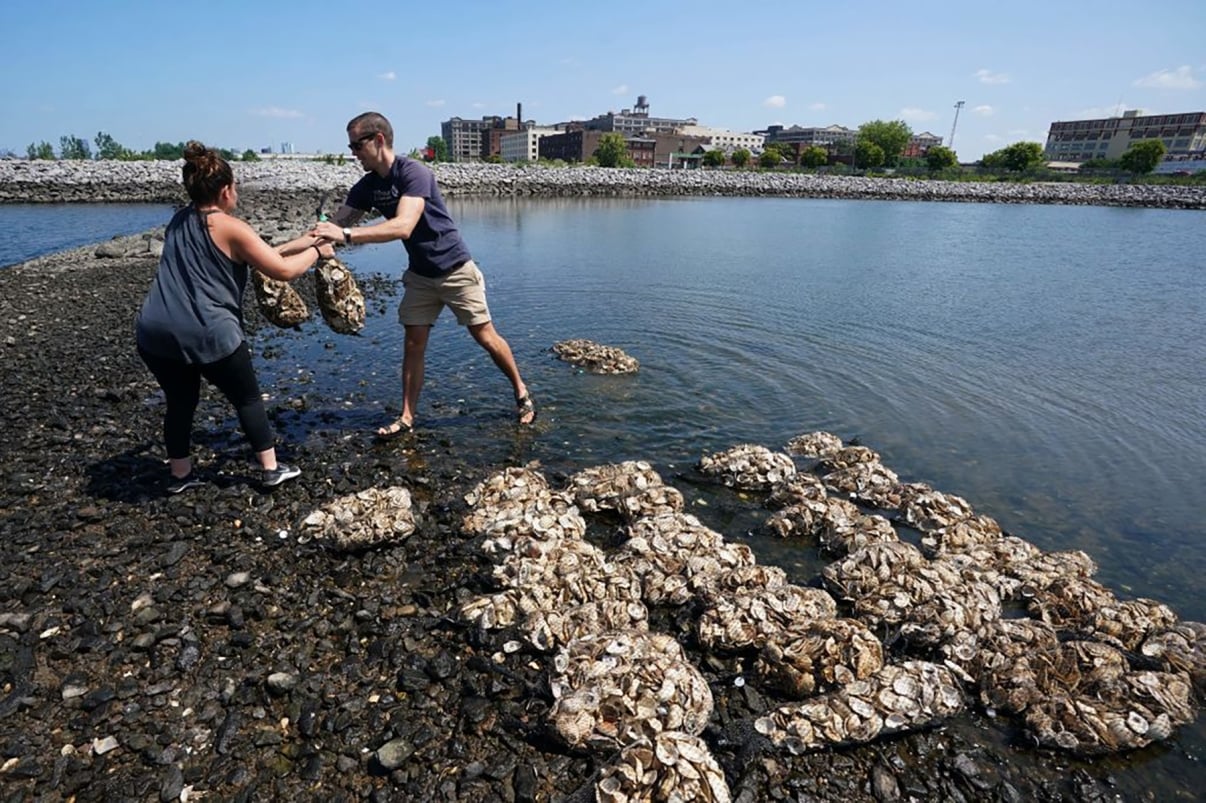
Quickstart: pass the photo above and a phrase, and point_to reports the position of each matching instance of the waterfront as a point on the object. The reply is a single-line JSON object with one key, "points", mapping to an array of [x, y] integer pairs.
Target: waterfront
{"points": [[1039, 361]]}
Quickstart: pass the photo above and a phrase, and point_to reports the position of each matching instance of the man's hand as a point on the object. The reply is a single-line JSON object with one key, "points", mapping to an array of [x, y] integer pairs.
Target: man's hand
{"points": [[328, 231]]}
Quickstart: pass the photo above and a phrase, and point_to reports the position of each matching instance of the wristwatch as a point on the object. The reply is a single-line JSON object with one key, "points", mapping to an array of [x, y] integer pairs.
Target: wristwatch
{"points": [[347, 236]]}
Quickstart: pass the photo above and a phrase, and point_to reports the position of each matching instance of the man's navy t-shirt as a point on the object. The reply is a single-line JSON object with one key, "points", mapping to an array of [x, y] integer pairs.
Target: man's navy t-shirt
{"points": [[435, 246]]}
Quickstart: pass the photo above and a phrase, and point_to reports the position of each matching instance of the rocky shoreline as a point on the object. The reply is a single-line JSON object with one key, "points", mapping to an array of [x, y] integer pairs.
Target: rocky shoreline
{"points": [[159, 182], [166, 648]]}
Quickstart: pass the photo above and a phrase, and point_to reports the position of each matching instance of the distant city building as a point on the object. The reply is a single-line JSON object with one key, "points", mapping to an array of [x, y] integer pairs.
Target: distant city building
{"points": [[723, 139], [523, 146], [1183, 135], [829, 137], [648, 150], [918, 144], [473, 140], [637, 121], [286, 147]]}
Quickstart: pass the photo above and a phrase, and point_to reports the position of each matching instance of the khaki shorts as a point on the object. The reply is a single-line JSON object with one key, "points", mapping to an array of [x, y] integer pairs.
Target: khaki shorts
{"points": [[463, 291]]}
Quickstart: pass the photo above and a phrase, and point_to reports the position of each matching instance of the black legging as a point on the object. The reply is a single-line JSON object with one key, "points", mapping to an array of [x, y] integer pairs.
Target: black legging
{"points": [[181, 383]]}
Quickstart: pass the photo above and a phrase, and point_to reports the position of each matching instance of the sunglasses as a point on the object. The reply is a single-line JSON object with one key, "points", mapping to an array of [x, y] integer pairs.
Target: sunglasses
{"points": [[357, 144]]}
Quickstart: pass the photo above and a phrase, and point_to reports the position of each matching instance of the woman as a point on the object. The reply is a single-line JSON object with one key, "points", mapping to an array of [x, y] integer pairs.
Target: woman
{"points": [[191, 323]]}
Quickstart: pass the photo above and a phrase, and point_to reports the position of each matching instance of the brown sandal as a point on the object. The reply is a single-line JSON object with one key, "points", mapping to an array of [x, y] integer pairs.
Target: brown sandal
{"points": [[394, 431], [524, 407]]}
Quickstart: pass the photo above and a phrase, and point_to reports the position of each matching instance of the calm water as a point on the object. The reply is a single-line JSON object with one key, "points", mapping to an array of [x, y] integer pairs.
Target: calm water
{"points": [[1044, 362], [31, 230]]}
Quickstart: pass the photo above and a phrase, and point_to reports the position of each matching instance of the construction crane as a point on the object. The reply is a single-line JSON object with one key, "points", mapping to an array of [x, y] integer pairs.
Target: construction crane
{"points": [[951, 142]]}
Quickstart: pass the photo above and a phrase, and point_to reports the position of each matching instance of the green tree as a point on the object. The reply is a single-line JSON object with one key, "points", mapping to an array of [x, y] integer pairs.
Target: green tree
{"points": [[1018, 156], [1143, 156], [940, 157], [891, 137], [868, 154], [714, 158], [771, 156], [740, 157], [613, 151], [72, 147], [167, 151], [109, 148], [814, 156], [438, 148], [250, 156], [42, 150]]}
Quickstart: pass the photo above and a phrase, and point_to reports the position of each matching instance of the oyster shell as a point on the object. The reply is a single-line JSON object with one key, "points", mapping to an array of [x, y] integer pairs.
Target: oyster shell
{"points": [[818, 656], [613, 688], [748, 466], [277, 301], [814, 444], [899, 697], [596, 358], [671, 766], [368, 518], [749, 617], [339, 297]]}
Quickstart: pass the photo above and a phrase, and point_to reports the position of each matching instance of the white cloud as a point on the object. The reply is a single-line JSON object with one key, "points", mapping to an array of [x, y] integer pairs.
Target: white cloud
{"points": [[990, 77], [992, 138], [817, 107], [984, 111], [775, 102], [389, 75], [278, 113], [1180, 78], [622, 89], [910, 113], [1017, 132], [435, 104]]}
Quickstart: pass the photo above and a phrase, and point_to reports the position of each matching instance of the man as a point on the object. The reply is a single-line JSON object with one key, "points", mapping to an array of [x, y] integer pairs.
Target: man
{"points": [[441, 271]]}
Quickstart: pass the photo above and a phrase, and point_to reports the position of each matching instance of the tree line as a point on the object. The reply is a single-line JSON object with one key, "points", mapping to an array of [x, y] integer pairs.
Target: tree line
{"points": [[881, 144], [73, 148]]}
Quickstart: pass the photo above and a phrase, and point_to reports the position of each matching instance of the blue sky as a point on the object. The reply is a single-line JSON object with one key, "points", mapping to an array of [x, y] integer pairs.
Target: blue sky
{"points": [[248, 74]]}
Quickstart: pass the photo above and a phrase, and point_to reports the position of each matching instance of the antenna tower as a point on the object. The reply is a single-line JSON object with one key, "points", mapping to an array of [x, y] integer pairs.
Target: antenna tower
{"points": [[951, 143]]}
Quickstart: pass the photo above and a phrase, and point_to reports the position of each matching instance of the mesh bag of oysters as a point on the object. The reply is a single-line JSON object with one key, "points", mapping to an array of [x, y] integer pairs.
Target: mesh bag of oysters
{"points": [[278, 302], [596, 358], [369, 518], [339, 298]]}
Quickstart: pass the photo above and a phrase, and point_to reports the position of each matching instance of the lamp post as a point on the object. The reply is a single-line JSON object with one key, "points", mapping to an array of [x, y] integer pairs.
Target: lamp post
{"points": [[951, 143]]}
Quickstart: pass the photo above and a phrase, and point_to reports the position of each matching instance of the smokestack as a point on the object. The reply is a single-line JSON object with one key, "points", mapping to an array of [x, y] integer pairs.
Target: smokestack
{"points": [[519, 113]]}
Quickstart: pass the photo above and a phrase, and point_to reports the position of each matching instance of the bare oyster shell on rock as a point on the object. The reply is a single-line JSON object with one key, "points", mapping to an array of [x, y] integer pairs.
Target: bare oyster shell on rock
{"points": [[339, 297], [368, 518], [278, 301], [596, 358]]}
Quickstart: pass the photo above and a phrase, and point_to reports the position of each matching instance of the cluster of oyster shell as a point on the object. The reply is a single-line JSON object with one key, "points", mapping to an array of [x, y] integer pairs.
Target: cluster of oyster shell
{"points": [[949, 595], [278, 302], [748, 466], [339, 297], [596, 358], [1085, 671], [368, 518]]}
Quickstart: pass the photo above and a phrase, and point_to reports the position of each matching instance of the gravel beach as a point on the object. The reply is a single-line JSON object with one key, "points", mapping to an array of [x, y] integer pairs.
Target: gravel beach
{"points": [[171, 648]]}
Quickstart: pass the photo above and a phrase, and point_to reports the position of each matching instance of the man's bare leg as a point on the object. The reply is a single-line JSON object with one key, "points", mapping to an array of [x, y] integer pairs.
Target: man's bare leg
{"points": [[414, 355], [500, 351]]}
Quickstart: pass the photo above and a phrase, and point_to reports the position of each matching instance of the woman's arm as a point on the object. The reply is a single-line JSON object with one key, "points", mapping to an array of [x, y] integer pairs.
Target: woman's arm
{"points": [[247, 246]]}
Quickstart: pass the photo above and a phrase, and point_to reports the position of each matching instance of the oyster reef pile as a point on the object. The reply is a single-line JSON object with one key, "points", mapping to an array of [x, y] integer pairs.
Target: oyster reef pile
{"points": [[897, 636]]}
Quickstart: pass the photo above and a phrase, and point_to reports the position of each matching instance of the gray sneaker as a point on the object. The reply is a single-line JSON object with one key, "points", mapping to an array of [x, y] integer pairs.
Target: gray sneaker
{"points": [[276, 476], [178, 485]]}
